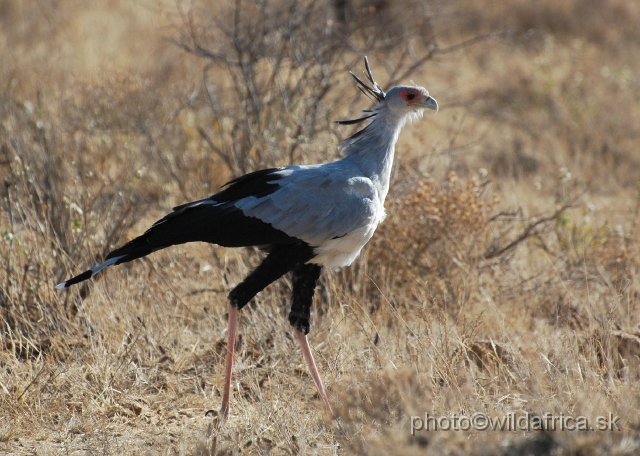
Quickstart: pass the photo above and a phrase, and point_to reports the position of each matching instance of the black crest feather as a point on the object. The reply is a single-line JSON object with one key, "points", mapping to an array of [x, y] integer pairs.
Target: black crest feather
{"points": [[373, 92], [354, 121]]}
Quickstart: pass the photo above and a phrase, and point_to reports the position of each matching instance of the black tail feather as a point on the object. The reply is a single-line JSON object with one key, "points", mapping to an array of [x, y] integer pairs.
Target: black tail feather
{"points": [[86, 275]]}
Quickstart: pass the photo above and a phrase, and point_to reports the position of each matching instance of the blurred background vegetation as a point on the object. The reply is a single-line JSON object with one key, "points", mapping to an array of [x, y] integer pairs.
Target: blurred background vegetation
{"points": [[503, 279]]}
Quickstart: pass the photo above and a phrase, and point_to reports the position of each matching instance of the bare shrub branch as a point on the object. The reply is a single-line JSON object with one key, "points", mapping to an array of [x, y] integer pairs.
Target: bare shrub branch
{"points": [[529, 231]]}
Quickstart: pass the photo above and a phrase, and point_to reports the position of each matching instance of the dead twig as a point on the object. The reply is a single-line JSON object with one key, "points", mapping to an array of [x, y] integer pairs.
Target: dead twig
{"points": [[527, 232]]}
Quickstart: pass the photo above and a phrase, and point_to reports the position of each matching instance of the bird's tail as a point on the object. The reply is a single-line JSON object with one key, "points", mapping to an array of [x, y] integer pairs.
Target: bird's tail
{"points": [[175, 228], [86, 275], [204, 221]]}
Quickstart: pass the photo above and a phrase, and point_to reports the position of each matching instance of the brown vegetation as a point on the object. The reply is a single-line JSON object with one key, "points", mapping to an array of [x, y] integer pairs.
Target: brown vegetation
{"points": [[503, 279]]}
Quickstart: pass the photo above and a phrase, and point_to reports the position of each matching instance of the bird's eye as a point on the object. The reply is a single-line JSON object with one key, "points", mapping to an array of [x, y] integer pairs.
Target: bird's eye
{"points": [[411, 96]]}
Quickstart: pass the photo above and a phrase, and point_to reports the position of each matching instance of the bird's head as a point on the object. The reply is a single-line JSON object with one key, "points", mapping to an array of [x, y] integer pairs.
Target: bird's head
{"points": [[404, 103], [409, 101]]}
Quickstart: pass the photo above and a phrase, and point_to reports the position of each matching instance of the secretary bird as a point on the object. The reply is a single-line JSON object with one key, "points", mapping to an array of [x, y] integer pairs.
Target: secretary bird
{"points": [[305, 217]]}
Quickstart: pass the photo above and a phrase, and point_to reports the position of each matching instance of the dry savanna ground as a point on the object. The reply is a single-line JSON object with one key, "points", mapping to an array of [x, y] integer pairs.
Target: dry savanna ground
{"points": [[505, 278]]}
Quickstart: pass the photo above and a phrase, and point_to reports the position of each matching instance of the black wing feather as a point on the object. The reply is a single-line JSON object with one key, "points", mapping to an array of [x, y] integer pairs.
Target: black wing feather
{"points": [[258, 183]]}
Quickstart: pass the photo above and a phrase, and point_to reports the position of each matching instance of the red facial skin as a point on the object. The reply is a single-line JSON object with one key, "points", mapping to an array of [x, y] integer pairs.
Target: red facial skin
{"points": [[411, 95]]}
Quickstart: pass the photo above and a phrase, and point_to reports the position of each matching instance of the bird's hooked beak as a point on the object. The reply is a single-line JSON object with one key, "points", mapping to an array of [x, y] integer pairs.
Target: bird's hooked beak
{"points": [[429, 103]]}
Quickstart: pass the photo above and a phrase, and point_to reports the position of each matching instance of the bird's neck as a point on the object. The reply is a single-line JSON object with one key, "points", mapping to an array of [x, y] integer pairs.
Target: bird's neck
{"points": [[372, 149]]}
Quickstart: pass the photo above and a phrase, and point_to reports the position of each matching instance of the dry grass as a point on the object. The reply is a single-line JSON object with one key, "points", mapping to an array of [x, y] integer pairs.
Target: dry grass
{"points": [[504, 278]]}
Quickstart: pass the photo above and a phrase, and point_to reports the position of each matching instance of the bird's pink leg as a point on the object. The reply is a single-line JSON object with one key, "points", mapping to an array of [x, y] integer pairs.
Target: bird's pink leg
{"points": [[231, 348], [308, 357]]}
